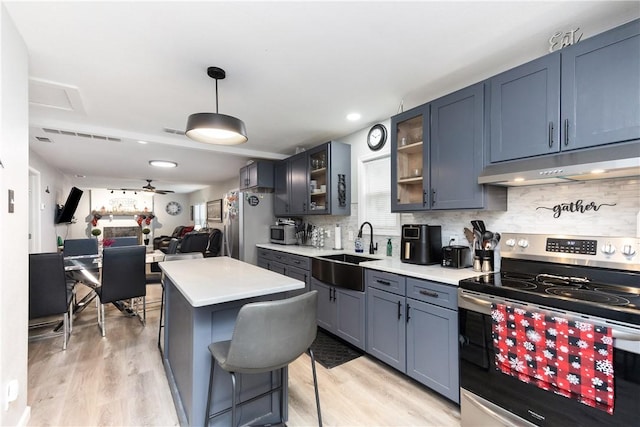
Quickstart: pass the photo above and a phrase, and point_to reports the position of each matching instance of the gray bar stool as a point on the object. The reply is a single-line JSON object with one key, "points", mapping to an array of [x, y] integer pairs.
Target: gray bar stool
{"points": [[267, 336]]}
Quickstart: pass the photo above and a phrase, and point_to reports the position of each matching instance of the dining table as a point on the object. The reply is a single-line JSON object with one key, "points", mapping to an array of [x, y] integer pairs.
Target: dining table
{"points": [[85, 269]]}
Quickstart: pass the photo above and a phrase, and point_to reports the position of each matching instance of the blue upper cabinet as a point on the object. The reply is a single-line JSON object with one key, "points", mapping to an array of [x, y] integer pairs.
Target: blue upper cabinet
{"points": [[583, 96], [457, 145], [525, 110], [601, 89]]}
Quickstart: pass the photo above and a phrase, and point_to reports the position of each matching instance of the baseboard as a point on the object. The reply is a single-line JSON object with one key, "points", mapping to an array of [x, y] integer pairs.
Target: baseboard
{"points": [[26, 416]]}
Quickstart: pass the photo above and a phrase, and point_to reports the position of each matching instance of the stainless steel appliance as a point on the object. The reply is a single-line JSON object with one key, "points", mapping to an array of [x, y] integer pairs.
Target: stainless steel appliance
{"points": [[456, 256], [589, 279], [421, 244], [283, 234], [247, 217]]}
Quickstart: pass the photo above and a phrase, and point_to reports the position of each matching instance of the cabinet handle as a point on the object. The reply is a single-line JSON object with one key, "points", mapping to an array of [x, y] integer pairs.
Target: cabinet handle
{"points": [[399, 314], [429, 293], [550, 134], [296, 262], [334, 294], [433, 197], [424, 197], [383, 282], [304, 207], [408, 308], [566, 132]]}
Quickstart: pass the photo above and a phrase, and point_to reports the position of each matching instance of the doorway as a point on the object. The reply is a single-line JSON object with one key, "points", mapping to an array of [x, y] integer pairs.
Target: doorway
{"points": [[34, 211]]}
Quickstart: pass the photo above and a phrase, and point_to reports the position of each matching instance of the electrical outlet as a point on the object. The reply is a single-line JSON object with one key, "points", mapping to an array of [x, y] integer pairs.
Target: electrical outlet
{"points": [[453, 239], [350, 236], [328, 233]]}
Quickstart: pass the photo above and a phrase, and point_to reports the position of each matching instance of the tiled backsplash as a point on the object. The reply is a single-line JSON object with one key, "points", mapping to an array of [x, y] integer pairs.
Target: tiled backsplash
{"points": [[618, 213]]}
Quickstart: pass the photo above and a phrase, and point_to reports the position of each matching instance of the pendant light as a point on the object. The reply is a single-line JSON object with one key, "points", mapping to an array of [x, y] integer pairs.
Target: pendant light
{"points": [[215, 128]]}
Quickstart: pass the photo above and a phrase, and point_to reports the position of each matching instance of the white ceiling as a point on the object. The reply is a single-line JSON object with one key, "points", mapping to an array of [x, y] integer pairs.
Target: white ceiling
{"points": [[129, 70]]}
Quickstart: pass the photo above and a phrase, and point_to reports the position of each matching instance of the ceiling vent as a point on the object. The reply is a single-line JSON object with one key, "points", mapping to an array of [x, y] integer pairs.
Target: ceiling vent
{"points": [[173, 131], [81, 134], [44, 139], [44, 93]]}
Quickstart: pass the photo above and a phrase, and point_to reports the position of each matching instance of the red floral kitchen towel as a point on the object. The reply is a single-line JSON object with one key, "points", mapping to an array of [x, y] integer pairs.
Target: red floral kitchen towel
{"points": [[568, 357]]}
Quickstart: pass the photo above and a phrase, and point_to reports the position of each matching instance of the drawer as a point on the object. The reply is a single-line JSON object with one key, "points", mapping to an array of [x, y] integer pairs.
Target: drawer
{"points": [[433, 293], [280, 257], [266, 254], [386, 281], [300, 261]]}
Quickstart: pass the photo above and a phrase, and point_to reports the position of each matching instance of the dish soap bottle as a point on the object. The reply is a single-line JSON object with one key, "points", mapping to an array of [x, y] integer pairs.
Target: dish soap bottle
{"points": [[389, 247], [359, 245]]}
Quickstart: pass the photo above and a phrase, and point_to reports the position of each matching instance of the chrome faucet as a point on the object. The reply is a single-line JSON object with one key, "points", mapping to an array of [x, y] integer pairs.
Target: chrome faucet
{"points": [[372, 249]]}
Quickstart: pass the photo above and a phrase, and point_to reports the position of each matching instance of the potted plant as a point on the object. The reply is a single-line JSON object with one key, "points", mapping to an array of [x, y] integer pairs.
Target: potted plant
{"points": [[146, 232], [96, 232]]}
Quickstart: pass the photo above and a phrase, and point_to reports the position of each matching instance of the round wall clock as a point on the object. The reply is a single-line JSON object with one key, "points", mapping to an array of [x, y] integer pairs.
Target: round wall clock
{"points": [[377, 137], [173, 208]]}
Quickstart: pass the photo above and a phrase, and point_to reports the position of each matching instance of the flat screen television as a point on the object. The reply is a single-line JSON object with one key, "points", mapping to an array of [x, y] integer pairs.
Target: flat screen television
{"points": [[65, 212]]}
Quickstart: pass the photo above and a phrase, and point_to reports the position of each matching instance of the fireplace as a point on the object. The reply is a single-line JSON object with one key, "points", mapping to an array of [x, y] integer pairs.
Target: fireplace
{"points": [[111, 232]]}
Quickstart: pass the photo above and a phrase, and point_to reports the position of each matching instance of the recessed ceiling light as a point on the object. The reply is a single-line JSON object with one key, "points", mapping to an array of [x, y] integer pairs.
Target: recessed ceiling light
{"points": [[518, 179], [352, 117], [163, 163], [142, 142], [80, 176], [597, 171]]}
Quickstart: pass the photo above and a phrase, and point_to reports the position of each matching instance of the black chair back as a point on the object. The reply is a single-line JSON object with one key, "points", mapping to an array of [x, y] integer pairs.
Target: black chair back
{"points": [[75, 247], [194, 242], [47, 285], [124, 241], [173, 246], [123, 273], [215, 243]]}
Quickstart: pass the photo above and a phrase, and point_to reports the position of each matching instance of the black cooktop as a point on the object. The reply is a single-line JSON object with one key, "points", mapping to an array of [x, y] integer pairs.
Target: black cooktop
{"points": [[610, 294]]}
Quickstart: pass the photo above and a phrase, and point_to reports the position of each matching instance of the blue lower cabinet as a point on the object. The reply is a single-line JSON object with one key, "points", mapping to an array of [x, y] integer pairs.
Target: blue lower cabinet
{"points": [[341, 312], [412, 325]]}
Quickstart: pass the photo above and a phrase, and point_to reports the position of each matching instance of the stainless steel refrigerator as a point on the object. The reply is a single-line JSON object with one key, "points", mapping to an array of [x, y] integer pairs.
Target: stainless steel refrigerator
{"points": [[247, 217]]}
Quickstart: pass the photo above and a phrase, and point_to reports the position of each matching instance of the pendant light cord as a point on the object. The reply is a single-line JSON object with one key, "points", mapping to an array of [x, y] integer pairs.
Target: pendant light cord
{"points": [[216, 96]]}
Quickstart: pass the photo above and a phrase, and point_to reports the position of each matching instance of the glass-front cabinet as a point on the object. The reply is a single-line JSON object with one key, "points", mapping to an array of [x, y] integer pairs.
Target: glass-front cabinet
{"points": [[409, 157], [318, 179]]}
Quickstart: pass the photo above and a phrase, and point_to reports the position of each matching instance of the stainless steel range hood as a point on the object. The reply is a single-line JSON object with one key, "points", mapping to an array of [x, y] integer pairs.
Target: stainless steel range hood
{"points": [[611, 161]]}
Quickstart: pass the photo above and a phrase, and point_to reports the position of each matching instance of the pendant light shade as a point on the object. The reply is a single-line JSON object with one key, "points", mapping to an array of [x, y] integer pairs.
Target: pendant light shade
{"points": [[215, 128]]}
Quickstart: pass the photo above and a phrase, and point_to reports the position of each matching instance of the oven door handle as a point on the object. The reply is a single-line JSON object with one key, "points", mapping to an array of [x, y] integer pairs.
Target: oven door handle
{"points": [[474, 303], [505, 419]]}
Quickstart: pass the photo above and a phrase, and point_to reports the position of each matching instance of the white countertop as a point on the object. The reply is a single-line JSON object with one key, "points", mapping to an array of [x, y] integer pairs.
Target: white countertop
{"points": [[436, 273], [216, 280]]}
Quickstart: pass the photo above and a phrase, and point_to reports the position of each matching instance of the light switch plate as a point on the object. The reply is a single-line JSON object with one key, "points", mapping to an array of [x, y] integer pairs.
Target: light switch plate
{"points": [[11, 201]]}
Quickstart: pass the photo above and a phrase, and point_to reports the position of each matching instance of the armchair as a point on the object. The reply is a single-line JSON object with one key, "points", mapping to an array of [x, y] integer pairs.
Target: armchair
{"points": [[162, 242]]}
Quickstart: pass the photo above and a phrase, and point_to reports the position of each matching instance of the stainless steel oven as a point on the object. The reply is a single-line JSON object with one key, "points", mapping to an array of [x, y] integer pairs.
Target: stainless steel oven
{"points": [[591, 279]]}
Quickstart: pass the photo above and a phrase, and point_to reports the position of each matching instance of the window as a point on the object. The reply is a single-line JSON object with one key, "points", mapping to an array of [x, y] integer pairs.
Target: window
{"points": [[199, 216], [374, 194]]}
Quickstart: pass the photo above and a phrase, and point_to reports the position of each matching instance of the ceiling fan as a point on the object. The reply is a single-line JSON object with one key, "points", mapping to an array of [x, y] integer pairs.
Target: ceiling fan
{"points": [[147, 188]]}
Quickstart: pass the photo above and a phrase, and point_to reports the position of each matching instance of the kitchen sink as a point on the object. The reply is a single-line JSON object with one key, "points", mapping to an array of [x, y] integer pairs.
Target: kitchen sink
{"points": [[348, 258], [340, 270]]}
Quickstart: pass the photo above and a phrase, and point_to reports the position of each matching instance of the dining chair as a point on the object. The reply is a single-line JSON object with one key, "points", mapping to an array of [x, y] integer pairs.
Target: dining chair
{"points": [[172, 248], [171, 257], [48, 291], [194, 242], [267, 336], [215, 243], [124, 241], [75, 247], [123, 278]]}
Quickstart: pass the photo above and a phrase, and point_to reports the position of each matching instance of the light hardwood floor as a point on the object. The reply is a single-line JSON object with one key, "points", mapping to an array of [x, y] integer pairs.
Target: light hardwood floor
{"points": [[119, 381]]}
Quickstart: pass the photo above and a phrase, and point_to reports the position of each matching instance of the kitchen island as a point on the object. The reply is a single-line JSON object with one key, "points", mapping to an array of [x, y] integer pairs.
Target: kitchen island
{"points": [[203, 297]]}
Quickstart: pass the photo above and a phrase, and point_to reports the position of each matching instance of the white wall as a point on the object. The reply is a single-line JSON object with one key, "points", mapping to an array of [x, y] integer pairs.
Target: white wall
{"points": [[14, 261], [54, 180]]}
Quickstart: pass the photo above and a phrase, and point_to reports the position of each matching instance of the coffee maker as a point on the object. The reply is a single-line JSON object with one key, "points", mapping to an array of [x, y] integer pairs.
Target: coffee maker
{"points": [[421, 244]]}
